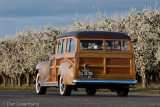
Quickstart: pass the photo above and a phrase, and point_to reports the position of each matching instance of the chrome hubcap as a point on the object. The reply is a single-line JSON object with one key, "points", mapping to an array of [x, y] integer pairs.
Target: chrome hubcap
{"points": [[37, 84], [61, 86]]}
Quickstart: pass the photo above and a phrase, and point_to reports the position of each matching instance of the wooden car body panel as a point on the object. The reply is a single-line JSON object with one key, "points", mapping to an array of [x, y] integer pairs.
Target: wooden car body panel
{"points": [[68, 64]]}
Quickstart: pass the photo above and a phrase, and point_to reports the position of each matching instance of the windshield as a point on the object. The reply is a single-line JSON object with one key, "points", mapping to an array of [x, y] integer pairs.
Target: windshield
{"points": [[109, 45]]}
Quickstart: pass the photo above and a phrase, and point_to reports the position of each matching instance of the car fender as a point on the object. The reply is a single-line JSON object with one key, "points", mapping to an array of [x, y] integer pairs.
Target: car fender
{"points": [[66, 70], [43, 70]]}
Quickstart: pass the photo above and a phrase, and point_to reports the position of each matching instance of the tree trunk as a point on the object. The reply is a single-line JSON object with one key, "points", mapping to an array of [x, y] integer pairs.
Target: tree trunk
{"points": [[144, 82], [154, 77], [159, 75], [149, 78], [4, 79], [34, 78], [16, 81], [27, 77], [19, 80], [9, 80], [12, 81]]}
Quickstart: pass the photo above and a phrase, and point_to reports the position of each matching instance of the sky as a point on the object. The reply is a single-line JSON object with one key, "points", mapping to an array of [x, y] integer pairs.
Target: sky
{"points": [[18, 15]]}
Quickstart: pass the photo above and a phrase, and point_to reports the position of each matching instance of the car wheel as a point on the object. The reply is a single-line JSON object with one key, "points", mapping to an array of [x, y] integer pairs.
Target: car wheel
{"points": [[39, 89], [123, 92], [90, 91], [65, 90]]}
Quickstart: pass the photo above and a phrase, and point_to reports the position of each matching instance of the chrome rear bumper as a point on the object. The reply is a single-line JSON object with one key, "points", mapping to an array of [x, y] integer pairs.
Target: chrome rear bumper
{"points": [[99, 81]]}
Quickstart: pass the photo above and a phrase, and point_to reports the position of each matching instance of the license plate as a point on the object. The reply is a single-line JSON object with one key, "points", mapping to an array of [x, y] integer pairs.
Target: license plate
{"points": [[85, 72]]}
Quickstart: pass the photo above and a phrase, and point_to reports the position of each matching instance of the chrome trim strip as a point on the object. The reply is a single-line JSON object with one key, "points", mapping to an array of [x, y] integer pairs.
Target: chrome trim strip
{"points": [[51, 82], [104, 81], [51, 85]]}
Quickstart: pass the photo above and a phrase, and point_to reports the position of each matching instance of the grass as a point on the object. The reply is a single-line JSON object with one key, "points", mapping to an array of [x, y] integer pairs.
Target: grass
{"points": [[17, 88], [154, 88], [24, 88]]}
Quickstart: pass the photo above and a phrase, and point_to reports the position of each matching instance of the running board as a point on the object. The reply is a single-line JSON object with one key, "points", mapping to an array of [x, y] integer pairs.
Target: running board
{"points": [[50, 84]]}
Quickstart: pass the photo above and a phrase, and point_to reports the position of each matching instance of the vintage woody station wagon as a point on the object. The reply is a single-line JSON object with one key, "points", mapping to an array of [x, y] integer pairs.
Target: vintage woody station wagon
{"points": [[90, 60]]}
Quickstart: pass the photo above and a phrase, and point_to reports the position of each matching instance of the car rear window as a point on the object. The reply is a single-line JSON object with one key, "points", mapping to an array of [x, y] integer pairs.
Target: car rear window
{"points": [[91, 44], [117, 45], [109, 45]]}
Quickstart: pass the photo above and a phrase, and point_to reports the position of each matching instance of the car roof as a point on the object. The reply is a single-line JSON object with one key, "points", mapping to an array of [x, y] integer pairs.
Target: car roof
{"points": [[95, 35]]}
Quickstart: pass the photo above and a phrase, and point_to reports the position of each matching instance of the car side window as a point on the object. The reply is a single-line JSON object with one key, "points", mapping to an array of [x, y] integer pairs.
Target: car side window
{"points": [[71, 45], [63, 45], [68, 45], [60, 46]]}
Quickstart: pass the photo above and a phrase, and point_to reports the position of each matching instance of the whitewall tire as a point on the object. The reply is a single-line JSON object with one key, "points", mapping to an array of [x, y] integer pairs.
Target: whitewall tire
{"points": [[39, 89], [65, 90]]}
